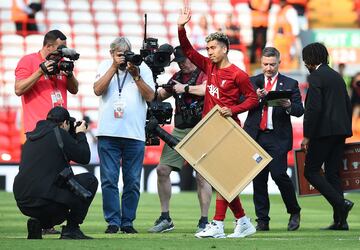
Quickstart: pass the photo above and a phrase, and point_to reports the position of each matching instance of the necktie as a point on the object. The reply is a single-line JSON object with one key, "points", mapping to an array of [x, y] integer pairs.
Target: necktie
{"points": [[263, 122]]}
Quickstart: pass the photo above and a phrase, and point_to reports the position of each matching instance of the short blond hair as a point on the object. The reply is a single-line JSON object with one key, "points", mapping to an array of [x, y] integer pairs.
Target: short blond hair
{"points": [[220, 37]]}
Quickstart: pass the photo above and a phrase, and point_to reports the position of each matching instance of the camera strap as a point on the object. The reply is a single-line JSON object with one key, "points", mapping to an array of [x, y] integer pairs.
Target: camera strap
{"points": [[192, 81], [61, 144], [120, 86]]}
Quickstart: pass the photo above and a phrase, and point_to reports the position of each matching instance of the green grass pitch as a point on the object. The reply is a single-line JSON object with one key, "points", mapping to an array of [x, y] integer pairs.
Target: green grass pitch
{"points": [[316, 213]]}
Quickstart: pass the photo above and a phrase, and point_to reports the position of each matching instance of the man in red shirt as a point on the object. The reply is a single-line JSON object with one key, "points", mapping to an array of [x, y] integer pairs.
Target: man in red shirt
{"points": [[226, 84], [39, 91]]}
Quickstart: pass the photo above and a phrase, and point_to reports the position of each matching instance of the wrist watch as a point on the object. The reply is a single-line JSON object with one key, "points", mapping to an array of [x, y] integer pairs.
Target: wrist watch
{"points": [[137, 78], [186, 89]]}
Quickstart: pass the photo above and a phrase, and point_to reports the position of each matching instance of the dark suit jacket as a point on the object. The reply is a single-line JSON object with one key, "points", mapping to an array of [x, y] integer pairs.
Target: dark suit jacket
{"points": [[281, 120], [327, 105]]}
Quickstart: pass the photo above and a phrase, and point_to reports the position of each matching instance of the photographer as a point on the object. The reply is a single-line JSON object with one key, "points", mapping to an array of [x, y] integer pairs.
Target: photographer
{"points": [[40, 90], [187, 114], [43, 163], [124, 89]]}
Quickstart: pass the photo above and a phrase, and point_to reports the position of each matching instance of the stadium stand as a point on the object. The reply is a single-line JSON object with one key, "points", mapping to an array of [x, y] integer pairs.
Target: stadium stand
{"points": [[335, 14], [90, 26]]}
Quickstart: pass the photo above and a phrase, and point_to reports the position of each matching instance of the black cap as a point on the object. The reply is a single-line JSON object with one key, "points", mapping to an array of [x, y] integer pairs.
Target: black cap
{"points": [[59, 114], [166, 48], [179, 55]]}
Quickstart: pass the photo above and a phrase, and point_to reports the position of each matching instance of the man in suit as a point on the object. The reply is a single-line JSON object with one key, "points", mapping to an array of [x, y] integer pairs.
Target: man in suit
{"points": [[271, 127], [327, 122]]}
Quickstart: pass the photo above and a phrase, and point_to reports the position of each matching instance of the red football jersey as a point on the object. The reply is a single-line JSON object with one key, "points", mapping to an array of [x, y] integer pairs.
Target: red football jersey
{"points": [[224, 86]]}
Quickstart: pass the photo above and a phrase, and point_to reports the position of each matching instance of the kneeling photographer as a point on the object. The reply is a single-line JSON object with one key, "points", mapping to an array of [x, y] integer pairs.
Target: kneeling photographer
{"points": [[187, 86], [45, 188]]}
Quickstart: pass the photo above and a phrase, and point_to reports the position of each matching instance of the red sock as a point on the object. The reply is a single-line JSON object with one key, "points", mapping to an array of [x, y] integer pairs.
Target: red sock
{"points": [[236, 208], [220, 209]]}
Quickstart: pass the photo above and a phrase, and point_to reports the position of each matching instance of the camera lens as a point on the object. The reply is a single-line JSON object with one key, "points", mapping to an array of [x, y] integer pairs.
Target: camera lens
{"points": [[66, 66], [136, 60]]}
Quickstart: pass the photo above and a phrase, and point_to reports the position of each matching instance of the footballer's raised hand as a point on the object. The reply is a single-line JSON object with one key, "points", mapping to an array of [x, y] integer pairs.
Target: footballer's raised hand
{"points": [[184, 17]]}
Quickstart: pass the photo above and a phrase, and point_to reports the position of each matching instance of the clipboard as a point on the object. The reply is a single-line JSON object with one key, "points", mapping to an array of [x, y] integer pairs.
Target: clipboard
{"points": [[273, 97]]}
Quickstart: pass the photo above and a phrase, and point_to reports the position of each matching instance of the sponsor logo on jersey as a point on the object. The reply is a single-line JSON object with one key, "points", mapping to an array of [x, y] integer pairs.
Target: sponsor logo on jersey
{"points": [[213, 90]]}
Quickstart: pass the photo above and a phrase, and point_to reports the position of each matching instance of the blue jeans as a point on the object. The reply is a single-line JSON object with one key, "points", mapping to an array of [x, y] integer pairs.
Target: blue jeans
{"points": [[130, 153]]}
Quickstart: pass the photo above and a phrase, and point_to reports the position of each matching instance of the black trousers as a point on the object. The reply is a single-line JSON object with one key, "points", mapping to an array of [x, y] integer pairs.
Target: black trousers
{"points": [[328, 151], [277, 168], [74, 212]]}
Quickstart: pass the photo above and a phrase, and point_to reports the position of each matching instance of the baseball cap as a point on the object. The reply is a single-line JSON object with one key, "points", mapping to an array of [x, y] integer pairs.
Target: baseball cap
{"points": [[179, 55], [59, 114]]}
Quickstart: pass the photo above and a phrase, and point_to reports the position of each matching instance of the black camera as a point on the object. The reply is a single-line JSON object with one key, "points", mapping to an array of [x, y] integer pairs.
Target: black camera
{"points": [[156, 57], [72, 129], [61, 65], [154, 132], [66, 179], [162, 111], [157, 113], [132, 57]]}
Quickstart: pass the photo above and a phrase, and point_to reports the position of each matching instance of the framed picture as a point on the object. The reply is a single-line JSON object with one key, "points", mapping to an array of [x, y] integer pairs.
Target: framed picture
{"points": [[223, 153], [349, 171]]}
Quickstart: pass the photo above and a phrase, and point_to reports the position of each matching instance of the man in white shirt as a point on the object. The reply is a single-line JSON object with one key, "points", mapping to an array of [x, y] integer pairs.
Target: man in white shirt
{"points": [[124, 89]]}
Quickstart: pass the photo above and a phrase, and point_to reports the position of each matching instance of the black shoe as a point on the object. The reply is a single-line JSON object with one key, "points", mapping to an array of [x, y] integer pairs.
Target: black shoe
{"points": [[262, 226], [73, 234], [112, 229], [50, 231], [294, 222], [337, 226], [348, 205], [128, 230], [34, 229]]}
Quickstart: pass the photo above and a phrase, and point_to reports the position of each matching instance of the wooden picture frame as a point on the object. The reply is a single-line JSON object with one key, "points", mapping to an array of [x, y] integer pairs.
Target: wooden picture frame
{"points": [[223, 153]]}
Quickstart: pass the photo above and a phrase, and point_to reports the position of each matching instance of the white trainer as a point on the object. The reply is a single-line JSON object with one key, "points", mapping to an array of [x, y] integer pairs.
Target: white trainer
{"points": [[215, 229], [243, 228]]}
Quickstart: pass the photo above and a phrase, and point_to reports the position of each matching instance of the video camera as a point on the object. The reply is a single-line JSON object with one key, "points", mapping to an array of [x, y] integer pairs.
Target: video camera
{"points": [[61, 65], [66, 179], [157, 113], [157, 58]]}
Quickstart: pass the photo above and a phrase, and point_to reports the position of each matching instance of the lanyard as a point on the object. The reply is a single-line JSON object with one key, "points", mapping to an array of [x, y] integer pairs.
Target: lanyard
{"points": [[120, 86]]}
